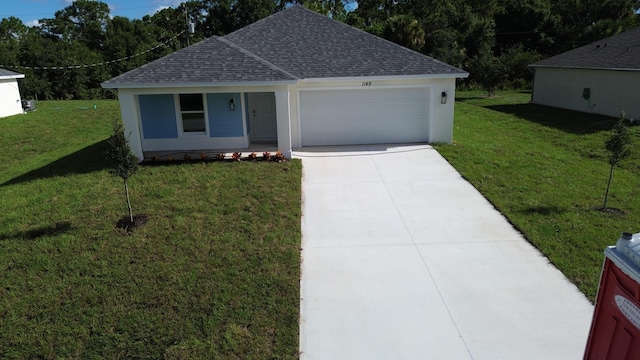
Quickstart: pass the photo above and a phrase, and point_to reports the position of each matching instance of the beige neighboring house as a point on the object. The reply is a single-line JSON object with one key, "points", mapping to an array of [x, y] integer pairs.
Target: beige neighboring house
{"points": [[600, 78], [10, 101]]}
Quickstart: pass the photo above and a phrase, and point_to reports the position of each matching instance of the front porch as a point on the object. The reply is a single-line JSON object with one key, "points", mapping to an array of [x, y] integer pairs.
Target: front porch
{"points": [[228, 122]]}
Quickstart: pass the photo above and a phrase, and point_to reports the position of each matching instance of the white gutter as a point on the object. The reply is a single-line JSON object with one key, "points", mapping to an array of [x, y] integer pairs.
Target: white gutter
{"points": [[17, 76], [193, 84], [396, 77], [276, 83], [581, 68]]}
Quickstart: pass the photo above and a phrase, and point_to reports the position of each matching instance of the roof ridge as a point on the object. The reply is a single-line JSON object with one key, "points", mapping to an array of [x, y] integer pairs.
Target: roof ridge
{"points": [[256, 57]]}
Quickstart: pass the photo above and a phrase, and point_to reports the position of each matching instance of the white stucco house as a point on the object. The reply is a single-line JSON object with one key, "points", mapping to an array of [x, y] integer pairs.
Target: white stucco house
{"points": [[295, 78], [10, 101], [601, 78]]}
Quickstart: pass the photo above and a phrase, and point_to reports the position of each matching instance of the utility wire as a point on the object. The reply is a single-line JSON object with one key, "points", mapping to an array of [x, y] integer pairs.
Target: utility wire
{"points": [[92, 65]]}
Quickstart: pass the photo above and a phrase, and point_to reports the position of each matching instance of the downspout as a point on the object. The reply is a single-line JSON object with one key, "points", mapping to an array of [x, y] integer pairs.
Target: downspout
{"points": [[533, 86]]}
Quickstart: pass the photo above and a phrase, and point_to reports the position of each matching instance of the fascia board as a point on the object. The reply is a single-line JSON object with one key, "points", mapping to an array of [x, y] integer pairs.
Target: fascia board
{"points": [[19, 76], [397, 77], [581, 68], [198, 84]]}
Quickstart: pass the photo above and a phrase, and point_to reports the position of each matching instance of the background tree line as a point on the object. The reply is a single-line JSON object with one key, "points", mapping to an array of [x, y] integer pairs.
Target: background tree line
{"points": [[492, 39]]}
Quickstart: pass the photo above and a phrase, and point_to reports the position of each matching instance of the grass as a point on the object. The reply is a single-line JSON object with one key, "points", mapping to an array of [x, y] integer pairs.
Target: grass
{"points": [[213, 274], [215, 271], [546, 170]]}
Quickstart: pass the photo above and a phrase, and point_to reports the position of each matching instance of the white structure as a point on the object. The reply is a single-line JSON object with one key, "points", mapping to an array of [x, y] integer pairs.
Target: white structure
{"points": [[600, 78], [10, 101], [296, 78]]}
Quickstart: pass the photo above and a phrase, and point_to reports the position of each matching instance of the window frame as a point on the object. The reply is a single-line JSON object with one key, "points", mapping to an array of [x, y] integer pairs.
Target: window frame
{"points": [[180, 120]]}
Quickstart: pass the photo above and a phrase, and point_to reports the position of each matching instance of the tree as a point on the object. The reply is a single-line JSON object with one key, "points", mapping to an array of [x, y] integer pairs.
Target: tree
{"points": [[516, 62], [129, 40], [331, 8], [373, 15], [469, 34], [489, 72], [530, 24], [619, 147], [122, 161], [249, 11], [12, 30], [406, 31], [167, 23], [585, 21], [220, 18], [84, 21]]}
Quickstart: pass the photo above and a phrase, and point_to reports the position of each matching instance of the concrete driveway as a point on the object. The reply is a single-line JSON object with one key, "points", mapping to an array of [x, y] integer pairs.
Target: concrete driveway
{"points": [[404, 259]]}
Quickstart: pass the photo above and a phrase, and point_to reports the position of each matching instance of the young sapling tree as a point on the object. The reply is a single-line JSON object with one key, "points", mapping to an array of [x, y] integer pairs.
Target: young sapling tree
{"points": [[619, 147], [122, 161]]}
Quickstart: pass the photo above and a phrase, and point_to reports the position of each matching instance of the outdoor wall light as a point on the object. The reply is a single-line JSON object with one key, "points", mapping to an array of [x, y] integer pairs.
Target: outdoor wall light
{"points": [[443, 97], [232, 104]]}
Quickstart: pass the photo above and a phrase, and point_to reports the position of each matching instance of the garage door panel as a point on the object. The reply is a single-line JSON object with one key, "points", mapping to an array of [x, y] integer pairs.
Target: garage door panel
{"points": [[344, 117]]}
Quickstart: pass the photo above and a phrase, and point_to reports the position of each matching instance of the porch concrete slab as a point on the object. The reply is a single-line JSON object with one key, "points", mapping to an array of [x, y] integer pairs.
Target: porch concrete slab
{"points": [[403, 259], [348, 168], [408, 163]]}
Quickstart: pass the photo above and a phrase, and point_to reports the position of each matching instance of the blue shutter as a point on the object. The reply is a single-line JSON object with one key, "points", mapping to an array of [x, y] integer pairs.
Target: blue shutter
{"points": [[158, 114], [222, 121]]}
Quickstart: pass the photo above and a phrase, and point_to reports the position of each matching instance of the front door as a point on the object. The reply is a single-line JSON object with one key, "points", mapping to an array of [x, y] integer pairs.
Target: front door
{"points": [[262, 117]]}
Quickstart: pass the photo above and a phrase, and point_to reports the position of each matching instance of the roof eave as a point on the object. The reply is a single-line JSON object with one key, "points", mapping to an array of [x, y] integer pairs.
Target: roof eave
{"points": [[17, 76], [581, 68], [173, 85], [392, 77]]}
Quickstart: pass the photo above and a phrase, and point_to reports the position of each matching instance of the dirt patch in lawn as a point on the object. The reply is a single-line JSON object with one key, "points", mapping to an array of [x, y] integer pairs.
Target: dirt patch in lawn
{"points": [[126, 224]]}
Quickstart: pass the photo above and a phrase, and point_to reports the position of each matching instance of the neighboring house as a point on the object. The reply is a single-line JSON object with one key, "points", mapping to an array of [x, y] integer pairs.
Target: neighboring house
{"points": [[295, 78], [10, 101], [602, 77]]}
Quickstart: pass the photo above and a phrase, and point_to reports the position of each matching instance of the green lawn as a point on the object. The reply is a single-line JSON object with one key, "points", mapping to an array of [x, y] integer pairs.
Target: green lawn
{"points": [[213, 274], [546, 170], [215, 271]]}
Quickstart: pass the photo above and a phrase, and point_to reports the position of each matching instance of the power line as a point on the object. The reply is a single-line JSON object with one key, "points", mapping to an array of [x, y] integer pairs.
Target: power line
{"points": [[68, 67]]}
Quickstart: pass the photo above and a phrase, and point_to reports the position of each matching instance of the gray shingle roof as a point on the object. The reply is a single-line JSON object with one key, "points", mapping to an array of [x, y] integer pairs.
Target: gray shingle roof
{"points": [[9, 73], [311, 45], [210, 61], [292, 44], [619, 52]]}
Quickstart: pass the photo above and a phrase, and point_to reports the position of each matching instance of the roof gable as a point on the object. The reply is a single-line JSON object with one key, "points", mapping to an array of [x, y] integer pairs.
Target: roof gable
{"points": [[619, 52], [293, 44]]}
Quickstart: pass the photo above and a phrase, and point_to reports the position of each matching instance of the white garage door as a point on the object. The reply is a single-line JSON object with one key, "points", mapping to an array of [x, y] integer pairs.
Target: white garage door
{"points": [[363, 116]]}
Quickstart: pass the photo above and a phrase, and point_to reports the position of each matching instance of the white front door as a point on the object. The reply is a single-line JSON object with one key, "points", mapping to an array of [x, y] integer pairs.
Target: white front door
{"points": [[262, 117]]}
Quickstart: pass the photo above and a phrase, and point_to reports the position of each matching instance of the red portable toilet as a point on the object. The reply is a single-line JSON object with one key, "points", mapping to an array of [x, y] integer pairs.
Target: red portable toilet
{"points": [[615, 328]]}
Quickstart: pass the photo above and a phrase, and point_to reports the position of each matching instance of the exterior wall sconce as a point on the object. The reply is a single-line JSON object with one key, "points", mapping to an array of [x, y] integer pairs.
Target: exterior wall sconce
{"points": [[232, 104], [443, 97]]}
